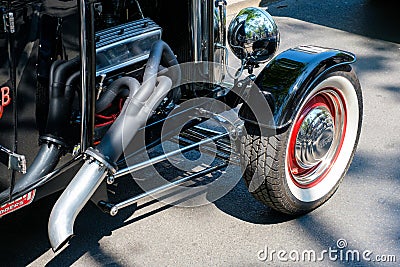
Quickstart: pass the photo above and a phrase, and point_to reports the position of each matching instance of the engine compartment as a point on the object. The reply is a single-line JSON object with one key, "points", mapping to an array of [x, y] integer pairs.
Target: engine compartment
{"points": [[124, 36], [45, 66]]}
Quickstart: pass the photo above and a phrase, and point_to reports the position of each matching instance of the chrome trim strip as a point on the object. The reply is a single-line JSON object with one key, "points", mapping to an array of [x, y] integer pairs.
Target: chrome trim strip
{"points": [[83, 44], [163, 157], [131, 39], [196, 30], [114, 210], [124, 64]]}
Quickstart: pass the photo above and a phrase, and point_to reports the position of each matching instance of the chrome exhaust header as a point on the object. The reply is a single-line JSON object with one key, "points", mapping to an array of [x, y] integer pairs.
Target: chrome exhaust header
{"points": [[99, 162], [98, 165]]}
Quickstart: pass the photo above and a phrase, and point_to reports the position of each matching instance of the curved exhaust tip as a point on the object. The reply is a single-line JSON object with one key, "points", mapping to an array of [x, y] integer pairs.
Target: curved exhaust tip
{"points": [[61, 245], [72, 200], [59, 237]]}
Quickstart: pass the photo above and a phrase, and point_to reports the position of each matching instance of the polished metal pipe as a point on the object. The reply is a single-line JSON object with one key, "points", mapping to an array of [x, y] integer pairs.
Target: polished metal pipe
{"points": [[196, 29], [71, 202], [163, 157], [83, 44], [45, 161], [88, 71], [165, 187]]}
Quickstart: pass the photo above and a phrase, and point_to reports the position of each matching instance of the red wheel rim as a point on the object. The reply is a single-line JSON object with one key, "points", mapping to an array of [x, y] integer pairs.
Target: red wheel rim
{"points": [[321, 123]]}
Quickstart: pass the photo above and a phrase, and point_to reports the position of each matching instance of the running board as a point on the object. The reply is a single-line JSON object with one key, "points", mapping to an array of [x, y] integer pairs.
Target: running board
{"points": [[222, 148], [192, 139]]}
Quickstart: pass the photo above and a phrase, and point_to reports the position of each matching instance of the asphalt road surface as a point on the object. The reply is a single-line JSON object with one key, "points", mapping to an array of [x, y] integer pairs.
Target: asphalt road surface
{"points": [[363, 217]]}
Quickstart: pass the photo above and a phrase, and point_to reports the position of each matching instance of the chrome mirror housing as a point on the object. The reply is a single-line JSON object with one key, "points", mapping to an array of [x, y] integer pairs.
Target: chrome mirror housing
{"points": [[253, 35]]}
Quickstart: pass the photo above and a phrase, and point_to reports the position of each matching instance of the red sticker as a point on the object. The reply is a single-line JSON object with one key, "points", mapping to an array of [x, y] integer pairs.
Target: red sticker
{"points": [[5, 99], [18, 203]]}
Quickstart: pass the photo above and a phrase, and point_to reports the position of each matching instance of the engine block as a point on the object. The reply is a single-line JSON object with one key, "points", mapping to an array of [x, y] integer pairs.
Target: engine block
{"points": [[125, 44]]}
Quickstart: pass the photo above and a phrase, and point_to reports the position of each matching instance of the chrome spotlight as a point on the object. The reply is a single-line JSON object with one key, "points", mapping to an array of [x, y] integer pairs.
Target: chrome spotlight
{"points": [[253, 35]]}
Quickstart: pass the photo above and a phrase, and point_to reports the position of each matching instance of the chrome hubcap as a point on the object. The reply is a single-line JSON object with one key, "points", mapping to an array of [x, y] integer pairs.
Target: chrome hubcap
{"points": [[315, 137]]}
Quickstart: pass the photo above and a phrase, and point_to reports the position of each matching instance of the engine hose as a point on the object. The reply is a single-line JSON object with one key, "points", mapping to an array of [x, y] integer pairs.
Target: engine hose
{"points": [[71, 85], [45, 161], [160, 51], [60, 99], [53, 67], [115, 140], [42, 96], [113, 90], [111, 143]]}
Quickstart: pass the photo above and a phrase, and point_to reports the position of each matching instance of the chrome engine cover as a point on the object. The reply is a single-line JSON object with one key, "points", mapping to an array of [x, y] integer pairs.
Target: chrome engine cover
{"points": [[125, 44]]}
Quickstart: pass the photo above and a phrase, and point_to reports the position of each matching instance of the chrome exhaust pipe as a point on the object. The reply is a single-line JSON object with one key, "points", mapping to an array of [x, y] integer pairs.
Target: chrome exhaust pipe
{"points": [[72, 200], [100, 161], [139, 106]]}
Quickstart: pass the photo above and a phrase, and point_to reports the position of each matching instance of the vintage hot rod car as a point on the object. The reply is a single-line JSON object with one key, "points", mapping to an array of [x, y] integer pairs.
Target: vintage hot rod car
{"points": [[86, 85]]}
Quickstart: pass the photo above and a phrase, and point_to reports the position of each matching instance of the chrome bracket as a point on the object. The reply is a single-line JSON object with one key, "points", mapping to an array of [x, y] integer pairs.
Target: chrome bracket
{"points": [[220, 3], [16, 161], [94, 155], [229, 119], [9, 23], [5, 22]]}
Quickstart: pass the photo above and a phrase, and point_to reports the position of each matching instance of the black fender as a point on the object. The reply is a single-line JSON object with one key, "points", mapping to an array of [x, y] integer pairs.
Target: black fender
{"points": [[287, 79]]}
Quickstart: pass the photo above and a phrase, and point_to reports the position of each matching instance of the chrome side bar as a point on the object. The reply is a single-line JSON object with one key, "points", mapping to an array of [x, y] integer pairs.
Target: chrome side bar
{"points": [[113, 209], [206, 130], [191, 138], [196, 136], [222, 149], [208, 150], [163, 157]]}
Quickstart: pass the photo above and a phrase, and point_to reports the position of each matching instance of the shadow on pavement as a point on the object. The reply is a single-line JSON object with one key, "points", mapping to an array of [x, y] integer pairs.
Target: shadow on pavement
{"points": [[241, 205], [370, 18], [24, 235]]}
